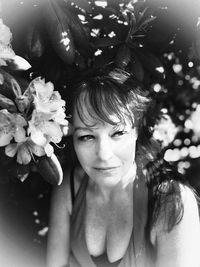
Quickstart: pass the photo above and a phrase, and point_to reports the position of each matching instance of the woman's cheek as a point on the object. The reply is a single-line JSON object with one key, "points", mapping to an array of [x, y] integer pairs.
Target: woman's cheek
{"points": [[83, 153], [127, 148]]}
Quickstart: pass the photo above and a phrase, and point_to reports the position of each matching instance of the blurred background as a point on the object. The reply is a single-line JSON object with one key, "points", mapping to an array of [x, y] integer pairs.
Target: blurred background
{"points": [[64, 41]]}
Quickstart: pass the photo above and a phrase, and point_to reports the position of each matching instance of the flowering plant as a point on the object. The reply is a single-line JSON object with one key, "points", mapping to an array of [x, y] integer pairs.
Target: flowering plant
{"points": [[32, 120], [6, 52]]}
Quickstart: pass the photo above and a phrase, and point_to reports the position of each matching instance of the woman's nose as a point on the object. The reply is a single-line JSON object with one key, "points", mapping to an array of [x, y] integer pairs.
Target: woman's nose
{"points": [[104, 149]]}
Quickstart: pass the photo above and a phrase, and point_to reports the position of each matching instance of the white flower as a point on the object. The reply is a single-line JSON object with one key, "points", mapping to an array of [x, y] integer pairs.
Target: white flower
{"points": [[5, 33], [48, 117], [47, 100], [40, 121], [11, 126], [6, 52], [42, 130], [24, 151]]}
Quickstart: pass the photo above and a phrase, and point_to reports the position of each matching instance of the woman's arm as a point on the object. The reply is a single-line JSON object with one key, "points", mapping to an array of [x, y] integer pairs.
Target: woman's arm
{"points": [[58, 245], [181, 246]]}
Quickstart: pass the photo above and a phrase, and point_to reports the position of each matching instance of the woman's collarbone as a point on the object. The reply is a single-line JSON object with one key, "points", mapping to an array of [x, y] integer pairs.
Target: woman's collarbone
{"points": [[108, 229]]}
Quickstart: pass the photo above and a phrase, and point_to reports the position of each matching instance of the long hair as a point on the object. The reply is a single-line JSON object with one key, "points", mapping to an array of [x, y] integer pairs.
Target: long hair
{"points": [[118, 93]]}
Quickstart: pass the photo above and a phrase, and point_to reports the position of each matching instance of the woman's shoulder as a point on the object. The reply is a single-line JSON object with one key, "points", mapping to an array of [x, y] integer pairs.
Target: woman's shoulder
{"points": [[72, 175], [176, 203], [177, 245], [63, 193], [172, 192]]}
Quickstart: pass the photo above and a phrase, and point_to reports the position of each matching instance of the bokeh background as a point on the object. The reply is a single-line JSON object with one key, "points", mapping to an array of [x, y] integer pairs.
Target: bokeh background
{"points": [[64, 41]]}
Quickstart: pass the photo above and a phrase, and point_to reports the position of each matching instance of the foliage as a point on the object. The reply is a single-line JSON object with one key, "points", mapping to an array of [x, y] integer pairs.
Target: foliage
{"points": [[158, 41]]}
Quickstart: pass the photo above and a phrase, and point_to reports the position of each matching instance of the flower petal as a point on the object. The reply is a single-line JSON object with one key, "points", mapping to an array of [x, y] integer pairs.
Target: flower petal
{"points": [[37, 150], [23, 154], [38, 138], [19, 120], [5, 118], [7, 103], [49, 150], [43, 91], [36, 135], [5, 137], [53, 131], [2, 62], [11, 150], [20, 134], [5, 33]]}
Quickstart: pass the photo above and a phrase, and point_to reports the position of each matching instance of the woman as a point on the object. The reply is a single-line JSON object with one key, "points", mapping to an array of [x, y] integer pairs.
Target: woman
{"points": [[109, 211]]}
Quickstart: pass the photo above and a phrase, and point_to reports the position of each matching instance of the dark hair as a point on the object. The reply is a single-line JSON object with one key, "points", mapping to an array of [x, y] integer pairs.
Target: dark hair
{"points": [[110, 94], [118, 93]]}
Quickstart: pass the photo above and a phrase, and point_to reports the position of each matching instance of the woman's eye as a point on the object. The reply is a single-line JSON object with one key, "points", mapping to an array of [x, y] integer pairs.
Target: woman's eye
{"points": [[85, 138], [119, 133]]}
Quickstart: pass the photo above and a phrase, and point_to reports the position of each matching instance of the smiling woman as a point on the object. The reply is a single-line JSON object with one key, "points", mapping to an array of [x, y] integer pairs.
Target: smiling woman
{"points": [[110, 209], [105, 151]]}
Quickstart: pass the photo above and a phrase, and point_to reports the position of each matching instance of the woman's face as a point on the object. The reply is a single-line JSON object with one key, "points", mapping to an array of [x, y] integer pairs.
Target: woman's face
{"points": [[106, 152]]}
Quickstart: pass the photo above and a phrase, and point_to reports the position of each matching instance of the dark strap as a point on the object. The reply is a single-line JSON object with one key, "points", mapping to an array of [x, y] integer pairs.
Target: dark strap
{"points": [[72, 185], [140, 196]]}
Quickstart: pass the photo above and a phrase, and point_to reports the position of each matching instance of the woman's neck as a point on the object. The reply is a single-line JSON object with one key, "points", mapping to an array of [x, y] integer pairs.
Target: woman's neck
{"points": [[108, 192]]}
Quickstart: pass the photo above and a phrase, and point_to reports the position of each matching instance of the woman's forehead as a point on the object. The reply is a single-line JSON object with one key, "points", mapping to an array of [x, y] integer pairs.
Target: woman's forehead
{"points": [[86, 118], [90, 113]]}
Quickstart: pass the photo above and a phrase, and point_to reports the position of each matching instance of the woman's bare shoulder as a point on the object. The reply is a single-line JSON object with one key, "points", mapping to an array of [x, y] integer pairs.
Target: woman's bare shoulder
{"points": [[77, 174], [62, 194], [178, 207], [178, 245]]}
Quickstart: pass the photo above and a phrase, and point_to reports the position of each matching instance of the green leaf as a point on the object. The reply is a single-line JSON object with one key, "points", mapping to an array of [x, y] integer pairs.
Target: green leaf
{"points": [[113, 26], [6, 87], [7, 103], [103, 60], [152, 63], [106, 42], [146, 22], [80, 61], [50, 169], [136, 67], [106, 12], [81, 38], [20, 171], [57, 26], [83, 4], [123, 57], [34, 42], [141, 15]]}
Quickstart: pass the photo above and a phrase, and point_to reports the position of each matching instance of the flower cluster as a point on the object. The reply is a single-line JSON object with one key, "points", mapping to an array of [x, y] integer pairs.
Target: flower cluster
{"points": [[6, 52], [31, 120], [34, 120]]}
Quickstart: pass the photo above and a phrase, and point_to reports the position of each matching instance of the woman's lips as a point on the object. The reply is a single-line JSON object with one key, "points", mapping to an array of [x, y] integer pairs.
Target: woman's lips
{"points": [[105, 168]]}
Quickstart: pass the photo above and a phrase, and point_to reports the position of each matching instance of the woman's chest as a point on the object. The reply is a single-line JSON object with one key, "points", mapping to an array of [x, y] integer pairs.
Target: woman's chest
{"points": [[108, 228]]}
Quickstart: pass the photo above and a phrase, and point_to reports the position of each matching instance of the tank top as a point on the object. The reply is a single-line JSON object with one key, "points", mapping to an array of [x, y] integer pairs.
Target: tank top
{"points": [[136, 253]]}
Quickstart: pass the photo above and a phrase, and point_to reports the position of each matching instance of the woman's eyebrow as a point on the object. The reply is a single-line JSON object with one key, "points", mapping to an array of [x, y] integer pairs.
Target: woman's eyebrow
{"points": [[79, 128], [123, 126], [118, 125]]}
